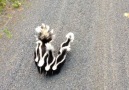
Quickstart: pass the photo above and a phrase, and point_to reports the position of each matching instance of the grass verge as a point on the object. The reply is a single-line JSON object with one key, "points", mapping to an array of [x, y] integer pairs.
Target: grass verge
{"points": [[10, 3]]}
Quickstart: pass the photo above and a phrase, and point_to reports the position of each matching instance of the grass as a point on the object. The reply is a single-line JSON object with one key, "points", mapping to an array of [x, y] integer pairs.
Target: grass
{"points": [[16, 3], [7, 33], [12, 3], [2, 4]]}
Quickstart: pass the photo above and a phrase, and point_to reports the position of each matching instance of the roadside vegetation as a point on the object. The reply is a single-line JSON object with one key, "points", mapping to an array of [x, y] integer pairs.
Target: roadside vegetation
{"points": [[9, 3], [6, 7]]}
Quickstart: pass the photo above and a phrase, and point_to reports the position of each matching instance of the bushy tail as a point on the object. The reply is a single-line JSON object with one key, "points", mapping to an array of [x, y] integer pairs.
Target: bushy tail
{"points": [[70, 36]]}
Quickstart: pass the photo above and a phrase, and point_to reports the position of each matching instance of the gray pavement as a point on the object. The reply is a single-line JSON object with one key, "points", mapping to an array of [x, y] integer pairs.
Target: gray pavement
{"points": [[99, 59]]}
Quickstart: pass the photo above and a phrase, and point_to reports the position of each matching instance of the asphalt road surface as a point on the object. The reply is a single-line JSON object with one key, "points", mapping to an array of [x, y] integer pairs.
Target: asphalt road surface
{"points": [[99, 59]]}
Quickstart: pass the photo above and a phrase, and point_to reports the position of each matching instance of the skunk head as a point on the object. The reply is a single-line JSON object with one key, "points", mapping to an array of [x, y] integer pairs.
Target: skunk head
{"points": [[45, 34]]}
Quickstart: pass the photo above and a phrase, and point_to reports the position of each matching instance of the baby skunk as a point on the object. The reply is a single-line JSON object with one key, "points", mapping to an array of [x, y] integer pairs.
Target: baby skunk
{"points": [[45, 36], [60, 59], [50, 60]]}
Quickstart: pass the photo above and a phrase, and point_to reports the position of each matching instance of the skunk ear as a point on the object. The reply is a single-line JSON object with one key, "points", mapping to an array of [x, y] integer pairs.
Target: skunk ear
{"points": [[38, 29], [43, 25], [47, 27], [51, 31]]}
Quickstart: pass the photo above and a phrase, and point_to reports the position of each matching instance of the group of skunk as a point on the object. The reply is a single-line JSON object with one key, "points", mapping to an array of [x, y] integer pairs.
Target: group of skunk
{"points": [[44, 52]]}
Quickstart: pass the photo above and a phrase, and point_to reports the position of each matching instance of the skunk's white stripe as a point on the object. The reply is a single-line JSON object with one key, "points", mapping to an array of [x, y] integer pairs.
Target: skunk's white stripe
{"points": [[41, 62], [49, 65], [64, 42], [38, 42], [56, 64], [40, 50], [66, 47], [70, 35], [49, 48]]}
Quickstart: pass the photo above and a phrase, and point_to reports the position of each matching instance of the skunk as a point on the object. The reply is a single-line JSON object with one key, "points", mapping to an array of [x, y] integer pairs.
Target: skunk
{"points": [[50, 60], [64, 48], [45, 36]]}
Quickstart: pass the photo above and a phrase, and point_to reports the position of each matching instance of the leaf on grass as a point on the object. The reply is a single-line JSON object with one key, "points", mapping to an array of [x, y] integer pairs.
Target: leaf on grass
{"points": [[8, 33]]}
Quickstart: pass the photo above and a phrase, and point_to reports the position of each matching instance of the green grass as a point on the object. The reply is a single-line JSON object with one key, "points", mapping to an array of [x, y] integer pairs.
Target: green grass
{"points": [[13, 3], [2, 4], [7, 33], [16, 3]]}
